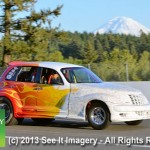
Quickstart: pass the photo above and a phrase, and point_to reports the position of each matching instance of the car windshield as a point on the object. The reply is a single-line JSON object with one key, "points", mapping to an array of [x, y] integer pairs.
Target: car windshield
{"points": [[80, 75]]}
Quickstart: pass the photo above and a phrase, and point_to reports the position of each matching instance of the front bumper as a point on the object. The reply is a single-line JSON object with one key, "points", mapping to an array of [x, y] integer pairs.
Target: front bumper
{"points": [[130, 113]]}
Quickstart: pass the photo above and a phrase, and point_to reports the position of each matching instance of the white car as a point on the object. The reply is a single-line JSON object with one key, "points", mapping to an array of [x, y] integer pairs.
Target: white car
{"points": [[45, 91]]}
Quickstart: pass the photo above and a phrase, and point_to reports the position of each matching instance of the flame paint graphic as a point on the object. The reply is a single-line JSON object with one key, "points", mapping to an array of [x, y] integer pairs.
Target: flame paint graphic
{"points": [[29, 101]]}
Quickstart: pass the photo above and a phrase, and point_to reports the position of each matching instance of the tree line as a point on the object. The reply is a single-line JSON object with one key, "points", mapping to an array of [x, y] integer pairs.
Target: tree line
{"points": [[113, 57]]}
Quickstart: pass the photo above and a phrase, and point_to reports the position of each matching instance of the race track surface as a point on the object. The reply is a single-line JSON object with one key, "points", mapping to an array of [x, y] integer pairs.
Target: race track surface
{"points": [[67, 135]]}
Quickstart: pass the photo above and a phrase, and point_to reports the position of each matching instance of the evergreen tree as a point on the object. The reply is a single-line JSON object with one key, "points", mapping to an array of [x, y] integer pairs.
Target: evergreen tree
{"points": [[90, 54], [73, 49], [99, 49], [10, 8], [143, 70], [25, 29]]}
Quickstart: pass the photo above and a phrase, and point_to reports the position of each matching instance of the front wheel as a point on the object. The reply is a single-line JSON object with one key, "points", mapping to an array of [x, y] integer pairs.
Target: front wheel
{"points": [[134, 123], [98, 116]]}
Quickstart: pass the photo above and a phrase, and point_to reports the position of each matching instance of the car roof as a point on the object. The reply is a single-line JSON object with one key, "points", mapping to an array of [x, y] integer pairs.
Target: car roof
{"points": [[53, 65]]}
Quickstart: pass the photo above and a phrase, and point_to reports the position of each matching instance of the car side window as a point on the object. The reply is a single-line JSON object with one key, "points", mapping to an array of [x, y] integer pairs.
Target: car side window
{"points": [[22, 74], [69, 75], [80, 75], [12, 74], [50, 76], [30, 74]]}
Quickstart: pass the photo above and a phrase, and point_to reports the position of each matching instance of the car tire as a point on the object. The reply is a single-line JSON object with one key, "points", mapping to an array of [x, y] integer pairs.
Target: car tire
{"points": [[9, 115], [134, 123], [98, 116]]}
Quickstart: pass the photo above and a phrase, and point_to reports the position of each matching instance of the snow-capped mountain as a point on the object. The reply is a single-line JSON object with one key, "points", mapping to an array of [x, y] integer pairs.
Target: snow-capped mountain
{"points": [[123, 25]]}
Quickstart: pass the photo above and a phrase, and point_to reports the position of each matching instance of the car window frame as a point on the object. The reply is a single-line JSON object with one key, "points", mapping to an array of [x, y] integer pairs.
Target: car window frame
{"points": [[19, 72], [70, 81]]}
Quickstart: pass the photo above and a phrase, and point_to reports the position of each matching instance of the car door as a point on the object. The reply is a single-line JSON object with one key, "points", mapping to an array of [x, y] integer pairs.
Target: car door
{"points": [[77, 94], [52, 98], [82, 83], [23, 87]]}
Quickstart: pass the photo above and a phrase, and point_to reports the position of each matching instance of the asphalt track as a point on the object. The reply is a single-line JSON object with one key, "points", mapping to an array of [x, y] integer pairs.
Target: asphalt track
{"points": [[117, 136]]}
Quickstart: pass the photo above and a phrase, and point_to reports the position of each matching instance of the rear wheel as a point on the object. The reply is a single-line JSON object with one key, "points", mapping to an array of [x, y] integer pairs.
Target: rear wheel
{"points": [[9, 116], [134, 123], [98, 116]]}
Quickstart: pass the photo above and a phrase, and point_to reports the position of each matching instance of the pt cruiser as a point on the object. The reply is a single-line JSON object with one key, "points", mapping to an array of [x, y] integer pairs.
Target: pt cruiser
{"points": [[45, 91]]}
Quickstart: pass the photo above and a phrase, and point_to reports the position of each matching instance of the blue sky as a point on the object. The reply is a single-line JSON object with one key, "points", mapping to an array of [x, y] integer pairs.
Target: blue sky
{"points": [[89, 15]]}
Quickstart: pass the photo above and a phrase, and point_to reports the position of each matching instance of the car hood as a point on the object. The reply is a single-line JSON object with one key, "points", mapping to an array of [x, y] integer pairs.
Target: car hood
{"points": [[108, 88], [116, 87], [110, 92]]}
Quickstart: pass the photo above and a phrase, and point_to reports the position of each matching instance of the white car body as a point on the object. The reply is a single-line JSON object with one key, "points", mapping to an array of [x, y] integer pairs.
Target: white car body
{"points": [[79, 95], [124, 103]]}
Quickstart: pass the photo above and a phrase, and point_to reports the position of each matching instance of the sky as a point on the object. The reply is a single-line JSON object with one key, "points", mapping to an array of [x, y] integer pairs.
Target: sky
{"points": [[89, 15]]}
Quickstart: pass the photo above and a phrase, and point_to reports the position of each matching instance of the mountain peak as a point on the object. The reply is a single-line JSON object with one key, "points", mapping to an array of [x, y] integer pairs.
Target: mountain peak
{"points": [[123, 25]]}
